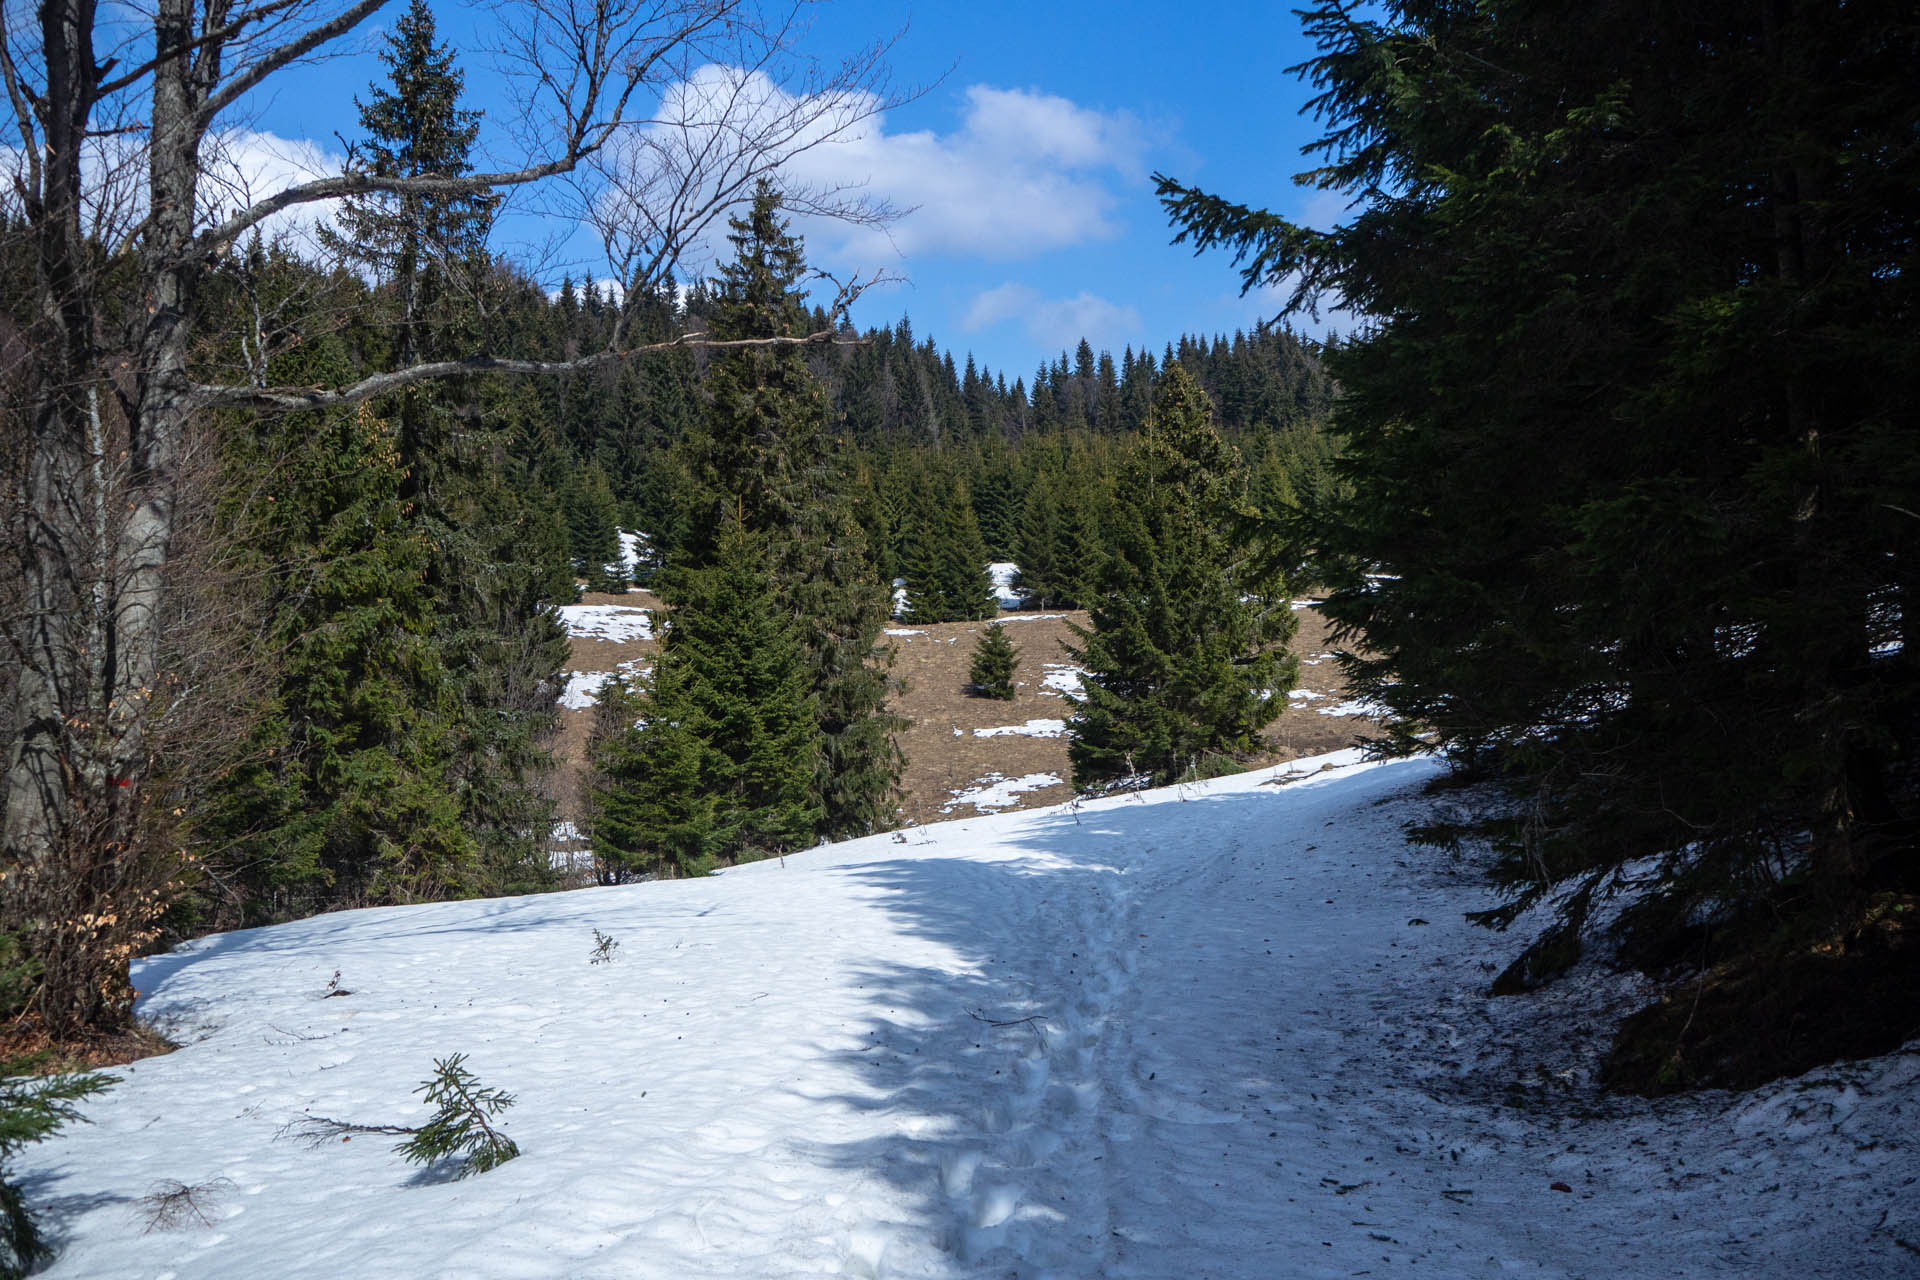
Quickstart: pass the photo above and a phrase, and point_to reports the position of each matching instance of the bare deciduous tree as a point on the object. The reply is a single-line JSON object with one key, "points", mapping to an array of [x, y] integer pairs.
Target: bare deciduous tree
{"points": [[657, 116]]}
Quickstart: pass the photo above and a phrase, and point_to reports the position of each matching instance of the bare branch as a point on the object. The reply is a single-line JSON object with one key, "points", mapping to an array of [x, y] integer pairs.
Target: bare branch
{"points": [[290, 52], [219, 35], [316, 1131], [219, 237], [22, 102], [292, 398], [657, 192]]}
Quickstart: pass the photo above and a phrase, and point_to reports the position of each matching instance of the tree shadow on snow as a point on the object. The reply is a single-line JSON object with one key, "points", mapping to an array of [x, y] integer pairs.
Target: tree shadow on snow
{"points": [[55, 1216], [989, 1065]]}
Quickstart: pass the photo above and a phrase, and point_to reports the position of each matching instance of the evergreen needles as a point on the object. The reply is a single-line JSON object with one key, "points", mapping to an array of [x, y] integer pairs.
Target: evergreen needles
{"points": [[1632, 436], [604, 946], [31, 1109], [1186, 660], [462, 1123], [763, 726], [994, 662]]}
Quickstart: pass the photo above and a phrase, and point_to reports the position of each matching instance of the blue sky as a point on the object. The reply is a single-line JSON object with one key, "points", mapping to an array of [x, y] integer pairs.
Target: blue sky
{"points": [[1024, 159]]}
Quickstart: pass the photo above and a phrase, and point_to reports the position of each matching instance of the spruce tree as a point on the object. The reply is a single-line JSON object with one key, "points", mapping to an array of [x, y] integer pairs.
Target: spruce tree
{"points": [[1633, 439], [762, 461], [960, 559], [342, 797], [996, 501], [734, 672], [399, 755], [593, 533], [946, 561], [995, 660], [421, 245], [1185, 659], [648, 802], [467, 496], [1078, 533], [1039, 576]]}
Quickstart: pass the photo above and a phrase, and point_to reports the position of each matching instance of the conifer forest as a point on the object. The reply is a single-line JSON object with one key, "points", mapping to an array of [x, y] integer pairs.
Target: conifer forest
{"points": [[1582, 446]]}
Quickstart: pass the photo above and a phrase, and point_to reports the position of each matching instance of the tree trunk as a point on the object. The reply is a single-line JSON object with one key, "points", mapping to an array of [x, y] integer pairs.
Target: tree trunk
{"points": [[97, 523]]}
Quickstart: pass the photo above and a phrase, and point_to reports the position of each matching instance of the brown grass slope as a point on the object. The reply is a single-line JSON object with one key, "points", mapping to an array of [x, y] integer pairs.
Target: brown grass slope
{"points": [[944, 754]]}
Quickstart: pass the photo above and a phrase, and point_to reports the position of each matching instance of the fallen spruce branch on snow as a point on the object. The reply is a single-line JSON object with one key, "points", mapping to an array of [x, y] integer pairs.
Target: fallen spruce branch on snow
{"points": [[462, 1124]]}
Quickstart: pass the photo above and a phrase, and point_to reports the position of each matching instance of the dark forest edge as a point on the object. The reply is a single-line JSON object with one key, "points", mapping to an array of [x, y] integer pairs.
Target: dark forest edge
{"points": [[1628, 526]]}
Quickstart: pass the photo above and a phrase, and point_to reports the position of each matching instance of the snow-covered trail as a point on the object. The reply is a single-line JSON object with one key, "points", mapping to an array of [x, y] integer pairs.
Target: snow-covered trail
{"points": [[1228, 1030]]}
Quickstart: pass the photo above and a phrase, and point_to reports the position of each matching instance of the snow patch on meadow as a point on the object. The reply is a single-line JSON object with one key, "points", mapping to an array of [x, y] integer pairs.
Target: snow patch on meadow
{"points": [[583, 690], [619, 623], [1062, 681], [1031, 729], [997, 791]]}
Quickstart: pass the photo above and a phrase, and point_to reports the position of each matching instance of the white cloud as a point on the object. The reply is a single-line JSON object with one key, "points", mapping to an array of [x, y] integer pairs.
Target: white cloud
{"points": [[239, 167], [1056, 323], [1018, 122], [1022, 173], [1322, 210], [245, 165]]}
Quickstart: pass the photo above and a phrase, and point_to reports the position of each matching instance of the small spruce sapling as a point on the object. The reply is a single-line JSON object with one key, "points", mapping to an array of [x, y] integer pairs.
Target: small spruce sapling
{"points": [[31, 1109], [604, 945], [462, 1123], [994, 662]]}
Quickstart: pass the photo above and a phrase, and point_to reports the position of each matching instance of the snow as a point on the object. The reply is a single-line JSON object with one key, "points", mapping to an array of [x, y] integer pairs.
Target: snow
{"points": [[1062, 681], [1003, 572], [568, 848], [619, 623], [631, 549], [1031, 729], [903, 631], [1031, 617], [1233, 1029], [1303, 695], [583, 689], [997, 791], [1355, 707]]}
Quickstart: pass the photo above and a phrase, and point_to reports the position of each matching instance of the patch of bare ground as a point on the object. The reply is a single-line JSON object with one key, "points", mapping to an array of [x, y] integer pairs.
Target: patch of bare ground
{"points": [[597, 655], [947, 754], [27, 1049]]}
